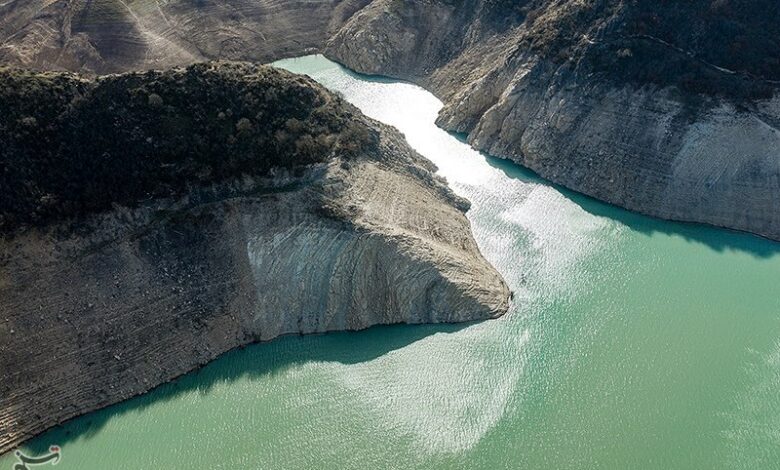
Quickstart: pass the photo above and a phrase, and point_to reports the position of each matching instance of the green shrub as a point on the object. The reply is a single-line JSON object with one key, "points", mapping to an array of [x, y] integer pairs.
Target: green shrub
{"points": [[73, 147]]}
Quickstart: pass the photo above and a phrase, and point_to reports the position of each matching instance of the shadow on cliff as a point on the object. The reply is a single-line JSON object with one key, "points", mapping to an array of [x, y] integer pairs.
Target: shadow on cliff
{"points": [[251, 363], [718, 239]]}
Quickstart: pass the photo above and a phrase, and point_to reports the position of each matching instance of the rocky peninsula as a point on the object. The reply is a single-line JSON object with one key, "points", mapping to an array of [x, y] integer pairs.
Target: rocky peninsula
{"points": [[153, 221]]}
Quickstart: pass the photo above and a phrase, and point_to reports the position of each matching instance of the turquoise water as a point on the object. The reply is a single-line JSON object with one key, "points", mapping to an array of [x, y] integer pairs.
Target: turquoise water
{"points": [[633, 343]]}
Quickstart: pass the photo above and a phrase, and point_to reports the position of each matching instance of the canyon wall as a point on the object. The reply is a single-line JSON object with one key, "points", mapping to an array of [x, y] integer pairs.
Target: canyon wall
{"points": [[101, 301], [667, 110], [109, 36]]}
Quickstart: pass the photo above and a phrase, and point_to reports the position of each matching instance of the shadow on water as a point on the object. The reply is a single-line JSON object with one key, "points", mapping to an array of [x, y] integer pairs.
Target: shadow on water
{"points": [[373, 78], [718, 239], [252, 362], [274, 358]]}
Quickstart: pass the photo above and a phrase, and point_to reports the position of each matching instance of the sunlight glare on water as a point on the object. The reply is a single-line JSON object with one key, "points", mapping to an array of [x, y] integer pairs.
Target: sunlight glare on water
{"points": [[632, 343]]}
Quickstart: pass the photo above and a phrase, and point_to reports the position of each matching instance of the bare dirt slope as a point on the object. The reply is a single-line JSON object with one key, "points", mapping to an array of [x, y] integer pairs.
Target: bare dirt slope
{"points": [[151, 271]]}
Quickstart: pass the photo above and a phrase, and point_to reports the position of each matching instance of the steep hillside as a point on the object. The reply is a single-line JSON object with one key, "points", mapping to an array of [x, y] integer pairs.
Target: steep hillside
{"points": [[172, 216], [74, 146], [106, 36], [666, 108]]}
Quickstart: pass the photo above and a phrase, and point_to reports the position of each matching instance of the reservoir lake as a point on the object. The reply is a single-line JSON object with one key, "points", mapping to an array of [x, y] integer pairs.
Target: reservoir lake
{"points": [[632, 343]]}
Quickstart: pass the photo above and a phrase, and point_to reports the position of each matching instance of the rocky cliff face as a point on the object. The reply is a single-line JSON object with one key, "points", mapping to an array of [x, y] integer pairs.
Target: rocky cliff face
{"points": [[666, 108], [107, 36], [669, 109], [108, 298]]}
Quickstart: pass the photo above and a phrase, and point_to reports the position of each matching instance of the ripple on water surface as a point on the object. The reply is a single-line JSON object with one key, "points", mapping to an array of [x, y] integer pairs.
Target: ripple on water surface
{"points": [[632, 343]]}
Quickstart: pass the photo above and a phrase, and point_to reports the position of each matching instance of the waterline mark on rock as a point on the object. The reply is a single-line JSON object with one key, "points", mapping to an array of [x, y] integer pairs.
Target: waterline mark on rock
{"points": [[53, 457]]}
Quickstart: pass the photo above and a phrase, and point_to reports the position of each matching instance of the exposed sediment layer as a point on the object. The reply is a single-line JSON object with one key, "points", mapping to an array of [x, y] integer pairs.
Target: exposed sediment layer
{"points": [[565, 89], [108, 36], [109, 304], [665, 108]]}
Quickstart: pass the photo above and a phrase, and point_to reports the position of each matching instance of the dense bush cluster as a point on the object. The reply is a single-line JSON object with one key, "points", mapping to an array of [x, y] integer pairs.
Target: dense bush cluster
{"points": [[740, 35], [728, 48], [72, 146]]}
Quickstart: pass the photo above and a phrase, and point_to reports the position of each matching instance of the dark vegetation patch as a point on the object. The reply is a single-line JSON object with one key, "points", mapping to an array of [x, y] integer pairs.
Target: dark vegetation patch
{"points": [[72, 146], [726, 48], [503, 14]]}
